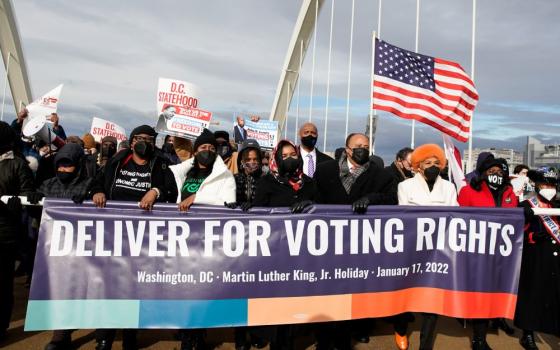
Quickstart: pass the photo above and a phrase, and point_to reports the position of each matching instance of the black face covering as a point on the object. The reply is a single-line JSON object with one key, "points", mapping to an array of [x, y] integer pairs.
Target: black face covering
{"points": [[431, 173], [143, 150], [108, 151], [495, 181], [407, 173], [206, 158], [168, 148], [289, 166], [360, 155], [309, 141], [65, 177], [224, 150]]}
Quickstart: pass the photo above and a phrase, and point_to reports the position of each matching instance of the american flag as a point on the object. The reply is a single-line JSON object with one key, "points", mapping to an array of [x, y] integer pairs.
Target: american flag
{"points": [[431, 90]]}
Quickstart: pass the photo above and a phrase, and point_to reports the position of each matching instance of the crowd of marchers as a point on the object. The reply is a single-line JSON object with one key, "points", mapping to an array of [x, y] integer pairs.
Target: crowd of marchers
{"points": [[216, 170]]}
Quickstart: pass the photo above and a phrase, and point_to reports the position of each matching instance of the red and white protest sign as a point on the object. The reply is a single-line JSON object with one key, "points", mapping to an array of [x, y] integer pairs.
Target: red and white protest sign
{"points": [[178, 109], [101, 128], [46, 104]]}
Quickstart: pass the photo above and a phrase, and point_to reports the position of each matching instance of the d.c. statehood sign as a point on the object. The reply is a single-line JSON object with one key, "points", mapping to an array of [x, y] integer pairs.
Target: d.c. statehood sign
{"points": [[122, 267]]}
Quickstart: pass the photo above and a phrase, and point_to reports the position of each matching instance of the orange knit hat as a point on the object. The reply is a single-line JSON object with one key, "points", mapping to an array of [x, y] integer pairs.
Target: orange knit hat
{"points": [[426, 151]]}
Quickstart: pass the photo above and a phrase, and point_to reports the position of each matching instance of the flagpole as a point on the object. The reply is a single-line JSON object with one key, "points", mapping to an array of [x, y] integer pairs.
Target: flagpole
{"points": [[5, 85], [287, 111], [469, 165], [415, 50], [372, 111], [328, 79], [371, 144], [349, 68], [313, 60], [298, 90]]}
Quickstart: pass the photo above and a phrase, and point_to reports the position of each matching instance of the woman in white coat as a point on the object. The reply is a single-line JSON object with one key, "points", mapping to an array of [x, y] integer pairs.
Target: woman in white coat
{"points": [[204, 178], [424, 189]]}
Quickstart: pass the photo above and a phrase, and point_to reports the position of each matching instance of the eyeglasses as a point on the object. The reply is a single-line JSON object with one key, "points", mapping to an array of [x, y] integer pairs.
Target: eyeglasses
{"points": [[148, 139]]}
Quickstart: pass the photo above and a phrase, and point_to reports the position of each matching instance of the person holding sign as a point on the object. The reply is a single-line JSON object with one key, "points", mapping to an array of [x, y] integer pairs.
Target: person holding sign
{"points": [[140, 175], [425, 188], [490, 188], [538, 300], [203, 179]]}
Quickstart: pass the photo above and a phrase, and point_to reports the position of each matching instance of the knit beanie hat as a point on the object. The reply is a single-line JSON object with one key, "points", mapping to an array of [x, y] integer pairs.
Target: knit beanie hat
{"points": [[206, 137], [143, 129]]}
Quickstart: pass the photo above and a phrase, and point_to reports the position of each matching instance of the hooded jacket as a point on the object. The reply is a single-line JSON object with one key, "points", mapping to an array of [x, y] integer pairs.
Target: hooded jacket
{"points": [[217, 188], [161, 176], [80, 184]]}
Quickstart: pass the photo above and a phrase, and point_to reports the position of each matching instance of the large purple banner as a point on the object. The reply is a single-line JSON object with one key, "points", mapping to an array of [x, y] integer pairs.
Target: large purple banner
{"points": [[124, 267]]}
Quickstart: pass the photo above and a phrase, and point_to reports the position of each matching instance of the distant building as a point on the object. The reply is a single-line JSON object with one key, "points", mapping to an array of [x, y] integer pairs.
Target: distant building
{"points": [[539, 154], [513, 157]]}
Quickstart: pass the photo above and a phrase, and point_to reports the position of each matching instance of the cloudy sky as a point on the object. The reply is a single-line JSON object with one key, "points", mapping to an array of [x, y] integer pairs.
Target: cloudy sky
{"points": [[109, 55]]}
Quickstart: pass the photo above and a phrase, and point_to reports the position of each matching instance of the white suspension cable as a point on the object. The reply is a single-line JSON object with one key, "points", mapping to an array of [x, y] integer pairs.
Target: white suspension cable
{"points": [[328, 79]]}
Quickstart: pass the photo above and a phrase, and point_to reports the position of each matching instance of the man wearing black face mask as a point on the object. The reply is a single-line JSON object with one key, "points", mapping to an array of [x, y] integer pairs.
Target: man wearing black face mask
{"points": [[138, 175], [72, 182], [309, 153], [226, 151], [354, 180]]}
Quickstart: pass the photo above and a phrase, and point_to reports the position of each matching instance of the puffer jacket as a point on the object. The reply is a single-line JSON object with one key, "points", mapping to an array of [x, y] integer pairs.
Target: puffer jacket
{"points": [[79, 186], [15, 179]]}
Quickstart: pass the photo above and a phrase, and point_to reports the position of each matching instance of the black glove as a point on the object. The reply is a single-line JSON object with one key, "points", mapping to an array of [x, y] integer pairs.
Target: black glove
{"points": [[245, 206], [231, 205], [299, 207], [35, 197], [78, 198], [529, 213], [360, 206], [14, 205]]}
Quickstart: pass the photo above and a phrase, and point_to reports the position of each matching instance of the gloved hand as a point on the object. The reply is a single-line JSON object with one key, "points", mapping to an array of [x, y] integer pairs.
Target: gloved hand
{"points": [[245, 206], [529, 213], [35, 197], [78, 198], [360, 206], [231, 205], [299, 207], [14, 205]]}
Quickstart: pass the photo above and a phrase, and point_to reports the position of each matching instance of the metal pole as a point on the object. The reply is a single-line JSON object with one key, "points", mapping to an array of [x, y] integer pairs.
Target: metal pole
{"points": [[415, 50], [287, 112], [328, 79], [5, 85], [371, 145], [349, 68], [313, 60], [469, 165], [298, 89], [379, 19]]}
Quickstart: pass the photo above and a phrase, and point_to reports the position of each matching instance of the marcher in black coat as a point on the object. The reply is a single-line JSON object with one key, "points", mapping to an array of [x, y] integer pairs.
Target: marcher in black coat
{"points": [[353, 179], [401, 168], [373, 185], [538, 298], [137, 174], [311, 156], [285, 185], [15, 179]]}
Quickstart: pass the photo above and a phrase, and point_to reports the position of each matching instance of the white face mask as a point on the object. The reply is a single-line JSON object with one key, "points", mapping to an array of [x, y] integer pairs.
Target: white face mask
{"points": [[548, 193]]}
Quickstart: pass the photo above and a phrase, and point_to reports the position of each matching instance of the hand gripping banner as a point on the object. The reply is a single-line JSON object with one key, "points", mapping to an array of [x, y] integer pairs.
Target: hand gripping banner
{"points": [[123, 267]]}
